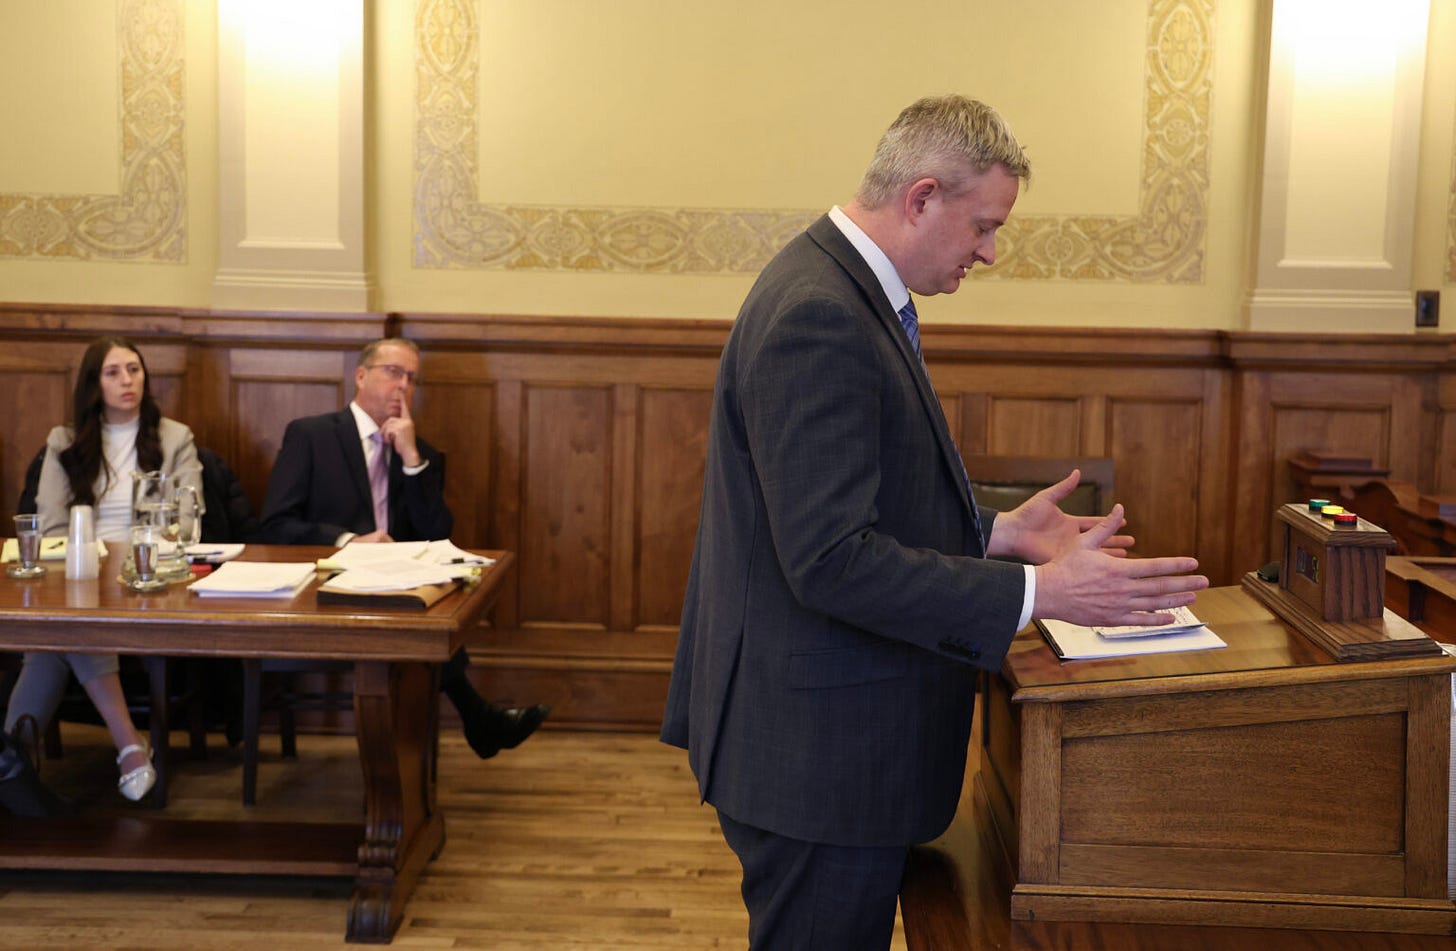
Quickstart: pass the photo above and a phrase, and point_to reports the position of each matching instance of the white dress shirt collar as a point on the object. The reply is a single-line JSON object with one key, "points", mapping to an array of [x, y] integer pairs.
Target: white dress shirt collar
{"points": [[895, 290], [367, 427]]}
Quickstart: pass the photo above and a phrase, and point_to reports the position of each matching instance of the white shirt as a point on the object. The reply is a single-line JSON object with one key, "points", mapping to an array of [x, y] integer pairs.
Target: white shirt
{"points": [[898, 295], [367, 428], [113, 485]]}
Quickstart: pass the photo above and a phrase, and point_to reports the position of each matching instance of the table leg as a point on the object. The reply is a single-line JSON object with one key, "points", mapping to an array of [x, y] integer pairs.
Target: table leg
{"points": [[396, 717]]}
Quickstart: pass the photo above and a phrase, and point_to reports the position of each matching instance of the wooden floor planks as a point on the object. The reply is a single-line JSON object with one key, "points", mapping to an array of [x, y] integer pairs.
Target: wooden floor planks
{"points": [[573, 841]]}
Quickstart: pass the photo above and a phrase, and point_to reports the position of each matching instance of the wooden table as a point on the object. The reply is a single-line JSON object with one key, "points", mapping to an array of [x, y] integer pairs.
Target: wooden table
{"points": [[396, 655], [1261, 785]]}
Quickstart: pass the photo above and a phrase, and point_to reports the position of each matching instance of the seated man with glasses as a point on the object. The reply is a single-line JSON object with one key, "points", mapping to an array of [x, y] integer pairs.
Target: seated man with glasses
{"points": [[362, 475]]}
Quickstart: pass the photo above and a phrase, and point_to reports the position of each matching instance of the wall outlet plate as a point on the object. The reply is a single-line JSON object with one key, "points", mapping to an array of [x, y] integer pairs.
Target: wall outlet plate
{"points": [[1428, 308]]}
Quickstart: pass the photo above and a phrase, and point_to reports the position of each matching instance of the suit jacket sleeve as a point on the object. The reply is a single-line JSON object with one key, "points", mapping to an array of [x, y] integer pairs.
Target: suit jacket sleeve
{"points": [[53, 492], [179, 457], [423, 497], [286, 507]]}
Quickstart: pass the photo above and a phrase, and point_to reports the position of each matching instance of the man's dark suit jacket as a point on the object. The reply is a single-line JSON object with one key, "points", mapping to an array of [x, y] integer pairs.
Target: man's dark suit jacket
{"points": [[838, 601], [319, 488]]}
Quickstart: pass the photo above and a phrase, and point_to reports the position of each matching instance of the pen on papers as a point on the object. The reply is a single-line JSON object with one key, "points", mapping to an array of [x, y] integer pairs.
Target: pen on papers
{"points": [[52, 546]]}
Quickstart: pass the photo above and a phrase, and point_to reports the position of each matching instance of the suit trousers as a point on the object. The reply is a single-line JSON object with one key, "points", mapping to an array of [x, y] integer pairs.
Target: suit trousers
{"points": [[807, 896]]}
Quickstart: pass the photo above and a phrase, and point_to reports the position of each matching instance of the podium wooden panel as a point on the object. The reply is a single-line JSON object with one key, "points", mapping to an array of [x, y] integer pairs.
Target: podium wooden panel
{"points": [[1263, 785]]}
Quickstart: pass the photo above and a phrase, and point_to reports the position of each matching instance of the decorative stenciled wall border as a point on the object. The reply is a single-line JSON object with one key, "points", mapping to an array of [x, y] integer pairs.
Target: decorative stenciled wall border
{"points": [[146, 221], [1163, 243]]}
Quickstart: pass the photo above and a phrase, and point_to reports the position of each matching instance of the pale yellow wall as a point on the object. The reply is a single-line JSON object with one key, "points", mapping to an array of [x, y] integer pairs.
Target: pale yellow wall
{"points": [[715, 135], [601, 138], [142, 253], [1435, 234]]}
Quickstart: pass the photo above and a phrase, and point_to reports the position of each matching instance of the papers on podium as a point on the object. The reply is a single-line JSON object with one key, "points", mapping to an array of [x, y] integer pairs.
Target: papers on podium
{"points": [[1075, 642], [255, 579]]}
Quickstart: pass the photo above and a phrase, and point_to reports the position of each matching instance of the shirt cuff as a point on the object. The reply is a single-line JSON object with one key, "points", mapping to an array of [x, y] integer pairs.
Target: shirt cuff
{"points": [[1029, 599], [347, 537], [416, 470]]}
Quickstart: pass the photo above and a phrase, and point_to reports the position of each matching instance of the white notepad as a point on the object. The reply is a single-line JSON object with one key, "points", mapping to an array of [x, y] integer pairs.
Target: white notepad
{"points": [[1075, 642], [255, 579], [1183, 620]]}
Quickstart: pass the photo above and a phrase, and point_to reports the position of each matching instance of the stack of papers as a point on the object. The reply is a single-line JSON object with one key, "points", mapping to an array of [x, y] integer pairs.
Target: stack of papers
{"points": [[390, 576], [1183, 620], [255, 579], [1075, 642], [411, 563], [213, 553]]}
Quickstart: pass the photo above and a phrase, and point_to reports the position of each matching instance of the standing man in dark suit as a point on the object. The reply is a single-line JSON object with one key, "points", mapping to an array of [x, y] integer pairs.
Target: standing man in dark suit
{"points": [[843, 591], [362, 475]]}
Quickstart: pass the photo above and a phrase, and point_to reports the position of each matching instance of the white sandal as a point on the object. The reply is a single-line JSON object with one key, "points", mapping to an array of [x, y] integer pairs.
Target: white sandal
{"points": [[138, 782]]}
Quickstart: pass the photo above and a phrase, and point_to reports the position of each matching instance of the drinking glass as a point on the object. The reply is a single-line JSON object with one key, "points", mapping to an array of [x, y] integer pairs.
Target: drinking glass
{"points": [[189, 517], [145, 550], [27, 540]]}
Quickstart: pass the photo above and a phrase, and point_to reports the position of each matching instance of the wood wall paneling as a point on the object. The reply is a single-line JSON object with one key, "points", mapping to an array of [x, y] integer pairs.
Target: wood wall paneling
{"points": [[566, 495], [30, 392], [1443, 478], [579, 444], [1157, 448], [671, 449], [1035, 426]]}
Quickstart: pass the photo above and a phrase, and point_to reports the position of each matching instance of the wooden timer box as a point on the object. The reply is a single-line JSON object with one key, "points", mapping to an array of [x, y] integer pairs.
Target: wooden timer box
{"points": [[1332, 588], [1339, 571]]}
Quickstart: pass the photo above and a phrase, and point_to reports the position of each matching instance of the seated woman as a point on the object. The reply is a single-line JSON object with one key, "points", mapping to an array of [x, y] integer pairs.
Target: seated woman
{"points": [[117, 429]]}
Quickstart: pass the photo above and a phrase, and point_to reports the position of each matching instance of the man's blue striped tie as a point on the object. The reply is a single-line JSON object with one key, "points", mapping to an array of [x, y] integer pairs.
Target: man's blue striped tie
{"points": [[911, 322]]}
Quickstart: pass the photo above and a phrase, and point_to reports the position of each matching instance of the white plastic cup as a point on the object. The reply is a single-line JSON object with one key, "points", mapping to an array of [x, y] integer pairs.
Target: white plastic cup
{"points": [[82, 560]]}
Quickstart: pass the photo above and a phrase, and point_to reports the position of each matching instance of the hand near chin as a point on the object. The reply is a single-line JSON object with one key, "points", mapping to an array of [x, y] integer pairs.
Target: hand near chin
{"points": [[399, 433]]}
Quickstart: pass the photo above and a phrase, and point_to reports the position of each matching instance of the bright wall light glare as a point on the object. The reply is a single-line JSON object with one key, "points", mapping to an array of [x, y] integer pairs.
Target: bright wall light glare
{"points": [[1346, 40], [294, 38]]}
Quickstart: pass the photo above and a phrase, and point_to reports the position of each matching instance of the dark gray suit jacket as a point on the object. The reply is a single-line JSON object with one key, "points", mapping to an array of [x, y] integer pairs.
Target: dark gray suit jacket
{"points": [[839, 601], [319, 488]]}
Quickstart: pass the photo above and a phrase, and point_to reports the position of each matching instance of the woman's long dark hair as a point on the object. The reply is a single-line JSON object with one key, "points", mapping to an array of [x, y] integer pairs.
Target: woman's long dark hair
{"points": [[83, 460]]}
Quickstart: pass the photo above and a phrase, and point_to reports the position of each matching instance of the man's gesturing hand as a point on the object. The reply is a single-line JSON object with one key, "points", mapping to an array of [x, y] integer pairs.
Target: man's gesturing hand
{"points": [[1086, 585]]}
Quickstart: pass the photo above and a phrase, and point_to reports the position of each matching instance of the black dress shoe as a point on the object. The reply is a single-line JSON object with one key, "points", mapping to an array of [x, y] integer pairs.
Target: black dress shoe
{"points": [[491, 729]]}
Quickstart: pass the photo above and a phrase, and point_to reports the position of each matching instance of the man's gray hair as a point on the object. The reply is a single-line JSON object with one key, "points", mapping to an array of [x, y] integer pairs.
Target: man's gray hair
{"points": [[947, 138], [366, 356]]}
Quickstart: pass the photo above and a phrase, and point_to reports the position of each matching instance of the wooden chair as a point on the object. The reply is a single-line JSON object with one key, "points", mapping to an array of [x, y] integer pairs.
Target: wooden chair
{"points": [[1004, 482], [285, 696]]}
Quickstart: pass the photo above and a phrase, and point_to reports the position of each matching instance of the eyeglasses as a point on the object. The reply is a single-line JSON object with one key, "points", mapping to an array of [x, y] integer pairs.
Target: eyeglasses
{"points": [[396, 372]]}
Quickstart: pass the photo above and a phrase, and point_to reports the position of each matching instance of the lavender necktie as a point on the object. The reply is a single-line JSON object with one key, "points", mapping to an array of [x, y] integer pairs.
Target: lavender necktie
{"points": [[379, 482], [911, 322]]}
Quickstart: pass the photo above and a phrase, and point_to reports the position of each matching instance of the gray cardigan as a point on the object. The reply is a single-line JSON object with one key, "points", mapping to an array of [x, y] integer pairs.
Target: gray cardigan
{"points": [[53, 494]]}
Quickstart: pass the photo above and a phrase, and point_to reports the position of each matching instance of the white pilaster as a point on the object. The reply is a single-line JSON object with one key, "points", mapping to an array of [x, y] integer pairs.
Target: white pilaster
{"points": [[291, 156], [1336, 216]]}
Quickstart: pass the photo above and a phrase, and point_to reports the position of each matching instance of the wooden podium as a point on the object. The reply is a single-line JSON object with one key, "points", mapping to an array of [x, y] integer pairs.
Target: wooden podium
{"points": [[1264, 785]]}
